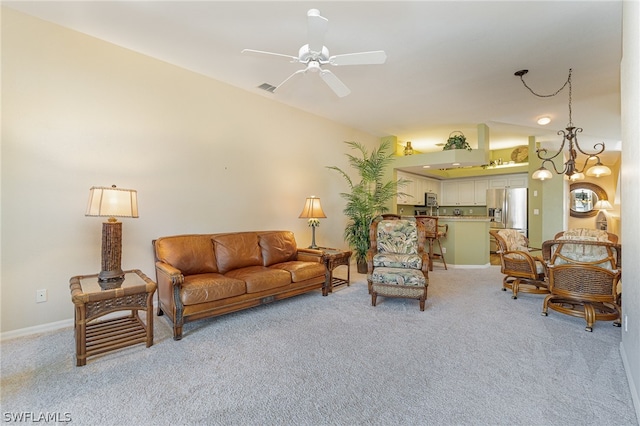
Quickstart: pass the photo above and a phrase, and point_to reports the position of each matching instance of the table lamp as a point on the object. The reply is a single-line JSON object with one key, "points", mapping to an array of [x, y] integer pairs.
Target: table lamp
{"points": [[313, 211], [112, 203], [603, 205]]}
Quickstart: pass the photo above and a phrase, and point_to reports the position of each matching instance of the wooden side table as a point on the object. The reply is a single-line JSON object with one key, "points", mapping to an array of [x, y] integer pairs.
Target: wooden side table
{"points": [[91, 302], [333, 258]]}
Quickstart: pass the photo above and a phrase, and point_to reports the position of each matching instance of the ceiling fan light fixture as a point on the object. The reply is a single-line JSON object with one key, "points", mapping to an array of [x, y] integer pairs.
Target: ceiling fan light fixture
{"points": [[315, 55]]}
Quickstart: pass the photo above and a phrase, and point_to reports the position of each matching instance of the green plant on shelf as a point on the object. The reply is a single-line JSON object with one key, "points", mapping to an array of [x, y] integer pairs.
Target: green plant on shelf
{"points": [[457, 140]]}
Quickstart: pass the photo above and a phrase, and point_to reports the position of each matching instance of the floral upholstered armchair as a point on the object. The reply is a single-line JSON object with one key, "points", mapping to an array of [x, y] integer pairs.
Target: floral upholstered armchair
{"points": [[584, 278], [523, 272], [397, 262]]}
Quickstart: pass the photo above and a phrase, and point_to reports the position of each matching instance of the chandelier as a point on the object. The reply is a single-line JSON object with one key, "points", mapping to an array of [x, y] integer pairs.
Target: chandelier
{"points": [[569, 138]]}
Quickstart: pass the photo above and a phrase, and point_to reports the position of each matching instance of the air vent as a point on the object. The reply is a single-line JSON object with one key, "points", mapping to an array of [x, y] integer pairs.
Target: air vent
{"points": [[267, 87]]}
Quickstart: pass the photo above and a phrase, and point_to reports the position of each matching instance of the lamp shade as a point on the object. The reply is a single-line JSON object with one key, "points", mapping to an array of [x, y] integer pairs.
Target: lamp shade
{"points": [[112, 202], [576, 176], [599, 170], [603, 205], [312, 209], [542, 174]]}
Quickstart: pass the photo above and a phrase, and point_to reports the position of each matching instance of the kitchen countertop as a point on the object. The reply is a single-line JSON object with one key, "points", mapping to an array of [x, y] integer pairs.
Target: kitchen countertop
{"points": [[468, 218]]}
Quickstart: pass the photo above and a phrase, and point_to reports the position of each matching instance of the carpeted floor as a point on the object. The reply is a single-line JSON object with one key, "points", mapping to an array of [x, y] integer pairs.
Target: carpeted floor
{"points": [[473, 357]]}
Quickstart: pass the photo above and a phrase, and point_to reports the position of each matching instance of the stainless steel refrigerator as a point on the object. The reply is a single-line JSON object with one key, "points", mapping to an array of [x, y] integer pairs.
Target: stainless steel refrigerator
{"points": [[507, 208]]}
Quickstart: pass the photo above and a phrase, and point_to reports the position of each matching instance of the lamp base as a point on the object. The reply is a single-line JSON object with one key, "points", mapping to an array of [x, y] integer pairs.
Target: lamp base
{"points": [[111, 275], [313, 238], [110, 283]]}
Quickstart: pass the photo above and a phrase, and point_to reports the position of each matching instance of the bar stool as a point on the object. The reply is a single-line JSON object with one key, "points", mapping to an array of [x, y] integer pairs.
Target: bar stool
{"points": [[434, 233], [441, 233]]}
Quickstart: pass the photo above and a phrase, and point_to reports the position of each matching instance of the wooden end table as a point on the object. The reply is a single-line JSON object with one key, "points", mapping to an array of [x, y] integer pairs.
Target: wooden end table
{"points": [[333, 258], [91, 302]]}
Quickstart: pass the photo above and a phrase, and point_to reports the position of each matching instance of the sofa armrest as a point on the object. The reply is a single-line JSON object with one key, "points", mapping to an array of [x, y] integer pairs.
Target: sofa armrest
{"points": [[167, 272], [310, 255]]}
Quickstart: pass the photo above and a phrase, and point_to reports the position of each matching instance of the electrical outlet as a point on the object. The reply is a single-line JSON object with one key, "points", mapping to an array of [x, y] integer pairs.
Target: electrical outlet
{"points": [[444, 250], [470, 211], [444, 210], [41, 295]]}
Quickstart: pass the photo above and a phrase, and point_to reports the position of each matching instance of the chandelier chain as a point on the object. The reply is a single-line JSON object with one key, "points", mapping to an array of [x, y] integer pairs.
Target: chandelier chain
{"points": [[568, 82]]}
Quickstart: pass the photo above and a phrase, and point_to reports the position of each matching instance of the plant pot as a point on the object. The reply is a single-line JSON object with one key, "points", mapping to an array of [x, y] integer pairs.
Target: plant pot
{"points": [[362, 267]]}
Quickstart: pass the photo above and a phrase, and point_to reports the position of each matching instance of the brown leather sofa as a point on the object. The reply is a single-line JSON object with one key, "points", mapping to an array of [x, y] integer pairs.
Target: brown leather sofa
{"points": [[207, 275]]}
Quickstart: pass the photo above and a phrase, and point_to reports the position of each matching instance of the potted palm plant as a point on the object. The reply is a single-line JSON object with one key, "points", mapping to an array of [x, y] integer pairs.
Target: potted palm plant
{"points": [[367, 198]]}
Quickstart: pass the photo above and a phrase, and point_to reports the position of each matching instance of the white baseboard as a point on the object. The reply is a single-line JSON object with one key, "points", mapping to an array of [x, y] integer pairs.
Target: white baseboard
{"points": [[36, 329], [485, 266], [635, 397], [54, 326]]}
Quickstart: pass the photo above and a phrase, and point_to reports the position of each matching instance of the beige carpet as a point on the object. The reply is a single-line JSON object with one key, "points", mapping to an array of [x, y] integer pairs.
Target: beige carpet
{"points": [[473, 357]]}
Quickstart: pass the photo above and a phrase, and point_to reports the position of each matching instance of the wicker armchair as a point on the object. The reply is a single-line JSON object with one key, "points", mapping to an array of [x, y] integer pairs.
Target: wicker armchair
{"points": [[583, 279], [397, 262], [523, 272]]}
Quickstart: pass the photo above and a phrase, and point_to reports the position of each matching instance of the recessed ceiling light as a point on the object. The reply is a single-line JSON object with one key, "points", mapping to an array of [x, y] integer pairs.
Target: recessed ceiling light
{"points": [[426, 167], [543, 121], [455, 164]]}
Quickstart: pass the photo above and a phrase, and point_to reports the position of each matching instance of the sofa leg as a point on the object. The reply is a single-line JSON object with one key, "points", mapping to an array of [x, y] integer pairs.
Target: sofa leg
{"points": [[374, 296]]}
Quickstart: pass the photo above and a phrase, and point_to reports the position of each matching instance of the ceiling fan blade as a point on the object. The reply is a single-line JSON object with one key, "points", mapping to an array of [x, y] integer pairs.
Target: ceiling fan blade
{"points": [[316, 27], [260, 52], [289, 78], [334, 83], [362, 58]]}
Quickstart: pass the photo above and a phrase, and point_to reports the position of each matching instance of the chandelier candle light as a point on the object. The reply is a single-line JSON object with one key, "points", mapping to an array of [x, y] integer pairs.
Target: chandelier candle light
{"points": [[313, 211], [112, 203], [569, 137]]}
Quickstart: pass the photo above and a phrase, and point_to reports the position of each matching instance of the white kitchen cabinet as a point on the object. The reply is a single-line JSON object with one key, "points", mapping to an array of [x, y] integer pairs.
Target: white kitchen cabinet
{"points": [[416, 189], [433, 185], [480, 192], [517, 180], [410, 189], [464, 192]]}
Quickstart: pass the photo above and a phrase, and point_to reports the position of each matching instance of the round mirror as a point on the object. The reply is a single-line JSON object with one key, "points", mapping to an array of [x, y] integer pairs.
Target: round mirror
{"points": [[583, 197]]}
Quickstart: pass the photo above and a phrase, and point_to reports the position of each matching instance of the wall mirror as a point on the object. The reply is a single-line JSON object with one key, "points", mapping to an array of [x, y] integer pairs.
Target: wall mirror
{"points": [[583, 197]]}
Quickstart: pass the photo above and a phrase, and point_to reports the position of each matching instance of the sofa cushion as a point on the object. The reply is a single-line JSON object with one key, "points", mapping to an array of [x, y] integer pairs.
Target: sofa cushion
{"points": [[203, 288], [277, 247], [301, 271], [237, 250], [191, 254], [260, 278]]}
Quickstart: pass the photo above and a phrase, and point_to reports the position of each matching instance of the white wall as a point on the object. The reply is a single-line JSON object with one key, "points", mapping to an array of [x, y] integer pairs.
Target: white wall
{"points": [[204, 157], [630, 90]]}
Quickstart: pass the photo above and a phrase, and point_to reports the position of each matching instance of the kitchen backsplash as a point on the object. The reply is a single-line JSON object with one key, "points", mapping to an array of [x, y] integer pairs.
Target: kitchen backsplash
{"points": [[443, 210]]}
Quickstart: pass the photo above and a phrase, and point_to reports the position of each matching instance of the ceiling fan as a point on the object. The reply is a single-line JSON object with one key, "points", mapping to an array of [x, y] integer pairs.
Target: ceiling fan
{"points": [[315, 54]]}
